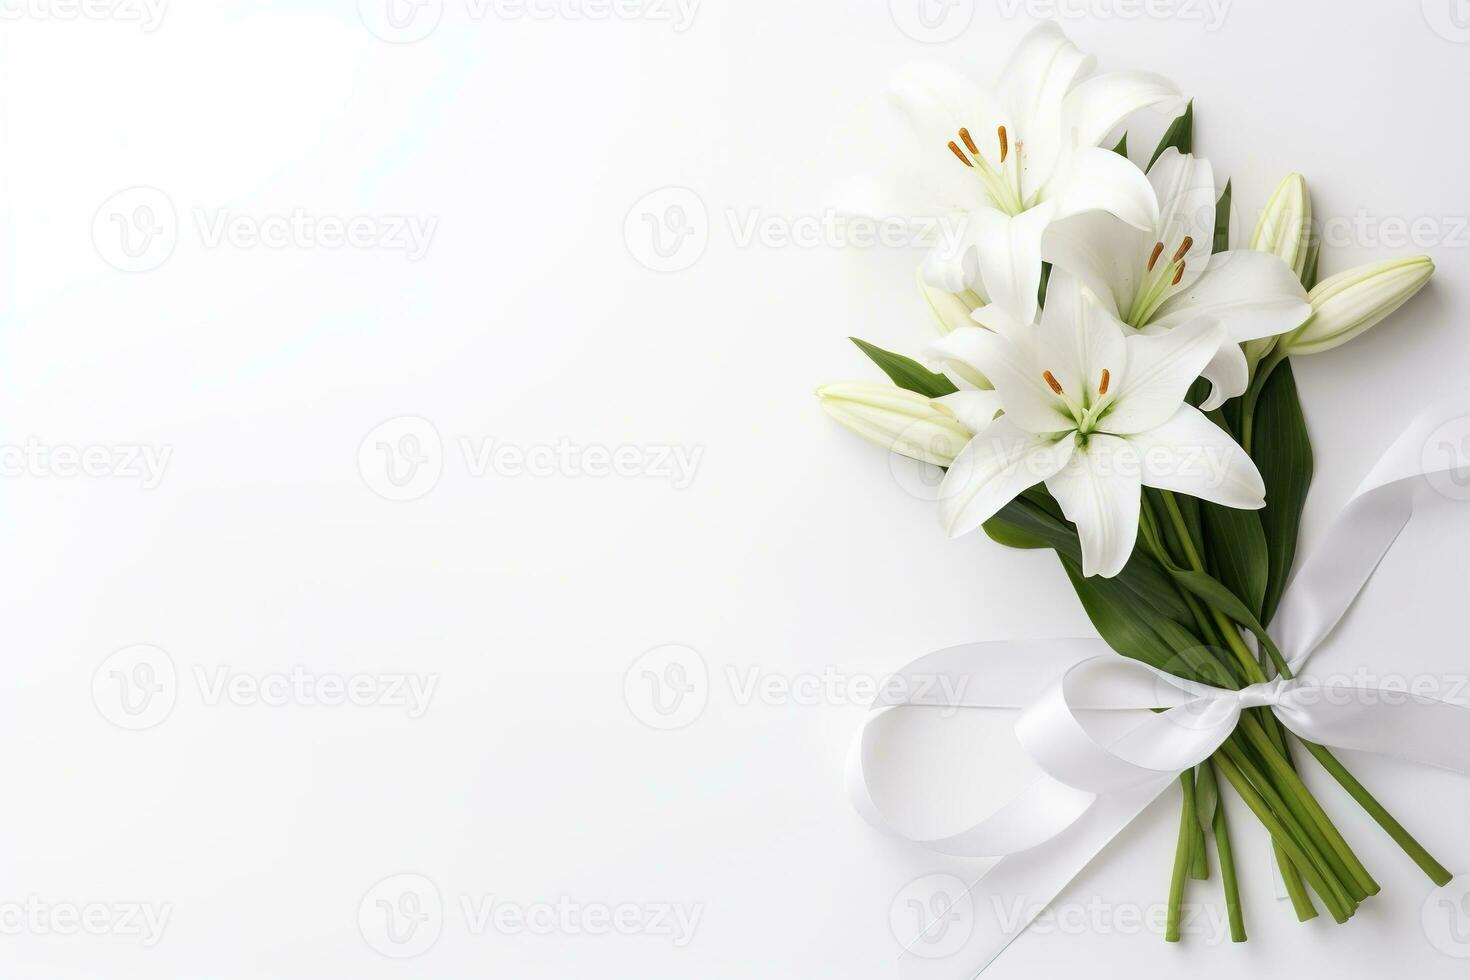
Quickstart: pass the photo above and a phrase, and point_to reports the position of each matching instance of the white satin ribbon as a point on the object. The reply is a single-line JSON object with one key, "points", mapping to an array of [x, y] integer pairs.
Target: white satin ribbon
{"points": [[1093, 784]]}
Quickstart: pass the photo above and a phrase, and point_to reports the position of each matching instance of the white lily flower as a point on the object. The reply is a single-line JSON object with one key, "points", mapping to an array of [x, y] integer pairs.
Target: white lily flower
{"points": [[1096, 411], [995, 175], [899, 420], [1350, 302], [1162, 276]]}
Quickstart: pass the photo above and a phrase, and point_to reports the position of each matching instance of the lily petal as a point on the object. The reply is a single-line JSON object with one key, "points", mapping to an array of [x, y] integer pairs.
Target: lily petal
{"points": [[1107, 255], [1094, 179], [1099, 491], [957, 354], [1192, 455], [1253, 295], [975, 410], [1097, 104], [993, 468], [1009, 253], [1228, 374], [1035, 83], [1160, 370]]}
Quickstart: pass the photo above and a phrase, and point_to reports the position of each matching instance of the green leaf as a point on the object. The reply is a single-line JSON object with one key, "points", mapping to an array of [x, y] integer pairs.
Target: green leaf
{"points": [[1122, 148], [1282, 450], [907, 372], [1236, 548], [1127, 625], [1179, 135], [1222, 221], [1011, 535], [1148, 585]]}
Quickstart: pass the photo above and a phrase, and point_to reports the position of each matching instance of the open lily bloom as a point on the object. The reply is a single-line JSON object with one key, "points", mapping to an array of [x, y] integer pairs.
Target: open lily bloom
{"points": [[1158, 277], [1096, 410], [995, 175]]}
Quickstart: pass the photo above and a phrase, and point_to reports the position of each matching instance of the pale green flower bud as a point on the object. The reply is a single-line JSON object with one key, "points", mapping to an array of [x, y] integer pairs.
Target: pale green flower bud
{"points": [[1350, 302], [951, 310], [1285, 226], [897, 419]]}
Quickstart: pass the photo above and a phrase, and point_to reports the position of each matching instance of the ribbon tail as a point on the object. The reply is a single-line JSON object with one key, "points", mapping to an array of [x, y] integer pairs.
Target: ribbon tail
{"points": [[1008, 898], [1392, 723]]}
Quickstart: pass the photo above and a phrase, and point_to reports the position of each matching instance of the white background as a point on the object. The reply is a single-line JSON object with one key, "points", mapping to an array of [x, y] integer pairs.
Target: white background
{"points": [[532, 776]]}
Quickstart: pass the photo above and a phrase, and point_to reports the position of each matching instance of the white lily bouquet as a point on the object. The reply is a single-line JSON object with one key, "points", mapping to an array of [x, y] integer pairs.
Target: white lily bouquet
{"points": [[1113, 381]]}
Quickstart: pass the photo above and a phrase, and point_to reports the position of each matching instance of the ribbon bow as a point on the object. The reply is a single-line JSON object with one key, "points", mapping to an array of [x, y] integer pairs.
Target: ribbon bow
{"points": [[1094, 783]]}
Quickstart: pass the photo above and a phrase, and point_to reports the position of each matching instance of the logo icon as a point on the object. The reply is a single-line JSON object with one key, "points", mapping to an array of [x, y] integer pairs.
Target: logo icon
{"points": [[136, 687], [932, 21], [401, 21], [136, 230], [402, 459], [667, 230], [1446, 459], [401, 916], [1446, 917], [667, 687], [1450, 19], [932, 916]]}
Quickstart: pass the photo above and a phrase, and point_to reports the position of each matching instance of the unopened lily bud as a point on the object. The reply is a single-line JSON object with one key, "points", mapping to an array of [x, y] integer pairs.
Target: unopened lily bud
{"points": [[1285, 226], [951, 310], [1350, 302], [897, 419]]}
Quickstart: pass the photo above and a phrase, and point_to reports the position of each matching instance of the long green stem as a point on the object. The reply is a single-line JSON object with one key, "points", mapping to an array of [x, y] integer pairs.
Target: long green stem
{"points": [[1437, 872], [1278, 832], [1227, 858], [1181, 865], [1310, 843]]}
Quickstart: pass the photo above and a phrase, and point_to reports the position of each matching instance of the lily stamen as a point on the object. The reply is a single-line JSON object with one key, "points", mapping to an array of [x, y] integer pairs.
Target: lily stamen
{"points": [[1178, 275], [969, 143], [1152, 259], [1000, 131], [1184, 247], [957, 152], [1051, 380], [1102, 386]]}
